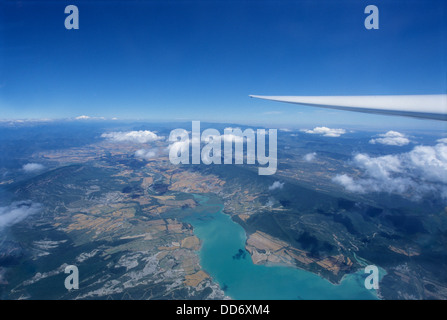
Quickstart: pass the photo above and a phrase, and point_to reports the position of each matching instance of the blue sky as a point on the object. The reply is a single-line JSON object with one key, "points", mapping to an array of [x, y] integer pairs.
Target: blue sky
{"points": [[183, 60]]}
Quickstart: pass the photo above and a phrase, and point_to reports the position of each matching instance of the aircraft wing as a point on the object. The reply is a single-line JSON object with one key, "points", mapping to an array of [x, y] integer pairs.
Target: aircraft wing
{"points": [[418, 106]]}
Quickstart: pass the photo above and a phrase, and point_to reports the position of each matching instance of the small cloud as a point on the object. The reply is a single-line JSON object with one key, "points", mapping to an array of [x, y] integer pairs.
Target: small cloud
{"points": [[285, 130], [231, 128], [270, 203], [276, 185], [391, 138], [325, 131], [17, 211], [348, 183], [310, 157], [32, 167], [142, 136], [232, 137], [83, 117], [145, 154]]}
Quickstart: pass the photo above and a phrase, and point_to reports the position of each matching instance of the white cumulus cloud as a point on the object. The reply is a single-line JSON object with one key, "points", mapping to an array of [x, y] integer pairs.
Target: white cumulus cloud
{"points": [[325, 131], [142, 136], [32, 167], [17, 211], [417, 173], [83, 117], [145, 154], [349, 183], [276, 185], [310, 156], [229, 137], [391, 138]]}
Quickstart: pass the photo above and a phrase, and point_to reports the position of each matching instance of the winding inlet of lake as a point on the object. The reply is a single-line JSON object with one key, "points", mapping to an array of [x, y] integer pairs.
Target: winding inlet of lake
{"points": [[222, 240]]}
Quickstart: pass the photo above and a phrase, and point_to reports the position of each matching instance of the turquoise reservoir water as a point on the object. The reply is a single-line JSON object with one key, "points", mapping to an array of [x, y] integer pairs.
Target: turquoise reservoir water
{"points": [[222, 239]]}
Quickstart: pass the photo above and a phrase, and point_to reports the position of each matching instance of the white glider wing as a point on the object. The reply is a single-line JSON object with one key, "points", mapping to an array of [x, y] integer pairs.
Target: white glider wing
{"points": [[418, 106]]}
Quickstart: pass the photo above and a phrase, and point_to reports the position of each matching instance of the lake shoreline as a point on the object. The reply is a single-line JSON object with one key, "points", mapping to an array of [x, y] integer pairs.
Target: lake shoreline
{"points": [[222, 238]]}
